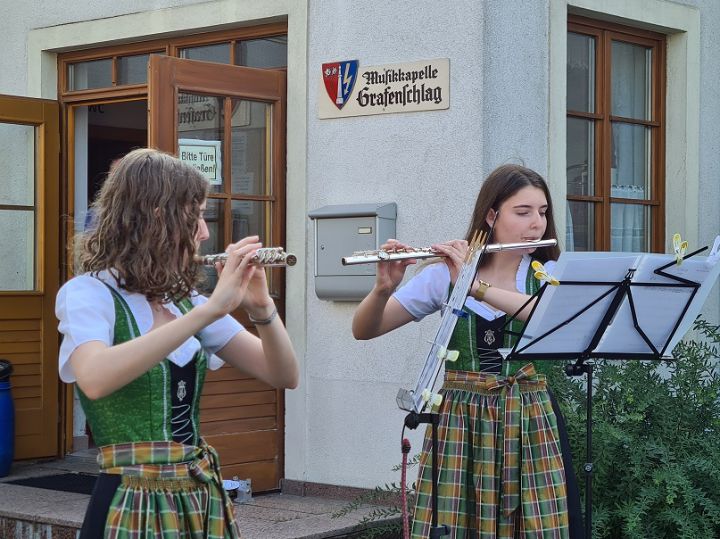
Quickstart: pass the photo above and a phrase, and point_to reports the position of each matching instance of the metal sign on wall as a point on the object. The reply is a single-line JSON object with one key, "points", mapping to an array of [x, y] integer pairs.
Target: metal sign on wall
{"points": [[348, 90]]}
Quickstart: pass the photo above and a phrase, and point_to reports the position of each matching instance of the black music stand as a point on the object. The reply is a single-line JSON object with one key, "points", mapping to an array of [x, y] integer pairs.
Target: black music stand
{"points": [[603, 322]]}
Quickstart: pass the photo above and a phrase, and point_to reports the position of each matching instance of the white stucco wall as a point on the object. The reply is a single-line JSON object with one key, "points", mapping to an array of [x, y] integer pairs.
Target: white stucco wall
{"points": [[515, 85], [432, 165], [709, 164]]}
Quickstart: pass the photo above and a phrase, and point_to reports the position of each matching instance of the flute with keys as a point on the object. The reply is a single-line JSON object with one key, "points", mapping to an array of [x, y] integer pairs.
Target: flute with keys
{"points": [[265, 256], [383, 255]]}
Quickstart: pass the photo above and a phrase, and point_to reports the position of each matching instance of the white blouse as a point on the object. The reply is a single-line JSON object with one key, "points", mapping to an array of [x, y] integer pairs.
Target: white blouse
{"points": [[427, 291], [86, 311]]}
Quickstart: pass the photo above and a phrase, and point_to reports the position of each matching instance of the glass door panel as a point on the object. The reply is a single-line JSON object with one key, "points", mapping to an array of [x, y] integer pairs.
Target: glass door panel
{"points": [[17, 208], [201, 135], [250, 218], [250, 141]]}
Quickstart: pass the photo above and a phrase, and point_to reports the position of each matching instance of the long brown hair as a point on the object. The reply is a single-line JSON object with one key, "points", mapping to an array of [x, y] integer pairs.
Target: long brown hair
{"points": [[145, 219], [501, 184]]}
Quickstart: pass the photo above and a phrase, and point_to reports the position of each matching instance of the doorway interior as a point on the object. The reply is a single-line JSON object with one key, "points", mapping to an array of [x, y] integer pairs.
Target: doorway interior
{"points": [[103, 133]]}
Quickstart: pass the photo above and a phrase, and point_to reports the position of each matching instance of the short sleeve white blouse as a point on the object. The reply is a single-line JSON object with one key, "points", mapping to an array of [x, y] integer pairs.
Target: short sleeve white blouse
{"points": [[86, 311], [428, 291]]}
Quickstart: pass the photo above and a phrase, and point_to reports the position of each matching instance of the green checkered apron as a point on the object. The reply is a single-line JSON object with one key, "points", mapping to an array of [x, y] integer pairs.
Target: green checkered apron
{"points": [[167, 489], [501, 473]]}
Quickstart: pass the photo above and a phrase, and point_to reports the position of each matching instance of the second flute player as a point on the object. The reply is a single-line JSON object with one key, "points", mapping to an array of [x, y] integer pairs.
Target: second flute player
{"points": [[138, 339], [487, 489]]}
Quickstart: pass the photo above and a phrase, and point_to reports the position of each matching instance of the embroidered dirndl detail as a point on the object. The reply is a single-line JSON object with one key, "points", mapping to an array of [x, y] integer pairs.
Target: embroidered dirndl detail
{"points": [[168, 490], [501, 470]]}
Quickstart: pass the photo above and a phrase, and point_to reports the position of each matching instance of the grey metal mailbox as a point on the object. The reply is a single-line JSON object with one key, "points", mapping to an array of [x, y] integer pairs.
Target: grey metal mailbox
{"points": [[341, 230]]}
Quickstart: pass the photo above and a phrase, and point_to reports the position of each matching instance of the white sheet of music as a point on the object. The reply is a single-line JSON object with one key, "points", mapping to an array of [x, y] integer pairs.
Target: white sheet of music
{"points": [[658, 308], [559, 303]]}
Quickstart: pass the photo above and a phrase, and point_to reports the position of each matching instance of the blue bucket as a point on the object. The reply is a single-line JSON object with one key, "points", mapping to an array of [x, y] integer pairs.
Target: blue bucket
{"points": [[7, 421]]}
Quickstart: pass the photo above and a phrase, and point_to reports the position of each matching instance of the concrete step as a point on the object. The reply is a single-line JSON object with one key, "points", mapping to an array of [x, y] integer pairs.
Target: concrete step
{"points": [[38, 513]]}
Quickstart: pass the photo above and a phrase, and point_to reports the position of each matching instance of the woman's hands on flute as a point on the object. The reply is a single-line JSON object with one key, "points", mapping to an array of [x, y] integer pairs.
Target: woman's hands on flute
{"points": [[240, 283], [455, 252], [390, 273], [101, 369], [379, 312], [270, 356]]}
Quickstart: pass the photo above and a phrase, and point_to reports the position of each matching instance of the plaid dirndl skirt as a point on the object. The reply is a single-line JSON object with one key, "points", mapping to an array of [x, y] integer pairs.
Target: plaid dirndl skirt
{"points": [[167, 490], [501, 473]]}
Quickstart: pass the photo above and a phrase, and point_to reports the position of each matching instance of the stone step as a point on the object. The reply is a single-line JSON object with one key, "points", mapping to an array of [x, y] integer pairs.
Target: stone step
{"points": [[38, 513]]}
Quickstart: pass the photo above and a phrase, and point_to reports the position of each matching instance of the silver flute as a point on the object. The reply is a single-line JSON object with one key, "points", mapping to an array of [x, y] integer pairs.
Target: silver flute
{"points": [[382, 255], [265, 256]]}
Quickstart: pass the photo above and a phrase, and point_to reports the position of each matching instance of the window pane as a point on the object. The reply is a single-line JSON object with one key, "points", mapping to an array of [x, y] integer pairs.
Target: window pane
{"points": [[216, 243], [132, 69], [17, 154], [580, 235], [219, 53], [249, 218], [200, 126], [17, 244], [580, 157], [629, 227], [631, 80], [93, 74], [268, 53], [250, 175], [630, 163], [580, 72]]}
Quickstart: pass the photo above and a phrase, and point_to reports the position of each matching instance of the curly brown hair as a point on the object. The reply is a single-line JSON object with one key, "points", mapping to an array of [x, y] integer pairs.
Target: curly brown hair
{"points": [[145, 219]]}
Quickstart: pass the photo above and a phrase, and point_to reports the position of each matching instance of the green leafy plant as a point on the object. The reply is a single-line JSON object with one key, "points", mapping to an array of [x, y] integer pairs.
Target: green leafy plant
{"points": [[656, 442]]}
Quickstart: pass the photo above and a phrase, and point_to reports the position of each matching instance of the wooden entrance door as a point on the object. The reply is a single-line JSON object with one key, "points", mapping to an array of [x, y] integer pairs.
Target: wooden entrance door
{"points": [[229, 121], [29, 220]]}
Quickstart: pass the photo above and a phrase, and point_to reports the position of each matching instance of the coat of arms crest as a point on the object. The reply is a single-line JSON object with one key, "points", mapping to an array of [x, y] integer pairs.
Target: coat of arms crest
{"points": [[339, 79]]}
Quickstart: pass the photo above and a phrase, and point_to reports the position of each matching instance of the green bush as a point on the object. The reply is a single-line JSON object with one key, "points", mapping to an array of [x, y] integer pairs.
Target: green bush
{"points": [[656, 442]]}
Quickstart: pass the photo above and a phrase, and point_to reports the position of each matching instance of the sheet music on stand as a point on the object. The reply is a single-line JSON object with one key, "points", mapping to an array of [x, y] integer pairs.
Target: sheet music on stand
{"points": [[658, 308], [559, 303], [556, 329]]}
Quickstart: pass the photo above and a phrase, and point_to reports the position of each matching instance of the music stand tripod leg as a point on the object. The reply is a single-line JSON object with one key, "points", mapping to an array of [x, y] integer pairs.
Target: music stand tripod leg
{"points": [[578, 369], [412, 420]]}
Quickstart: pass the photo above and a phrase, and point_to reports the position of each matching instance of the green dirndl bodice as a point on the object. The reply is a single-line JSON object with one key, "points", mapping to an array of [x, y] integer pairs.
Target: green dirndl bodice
{"points": [[464, 337], [142, 410], [501, 473]]}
